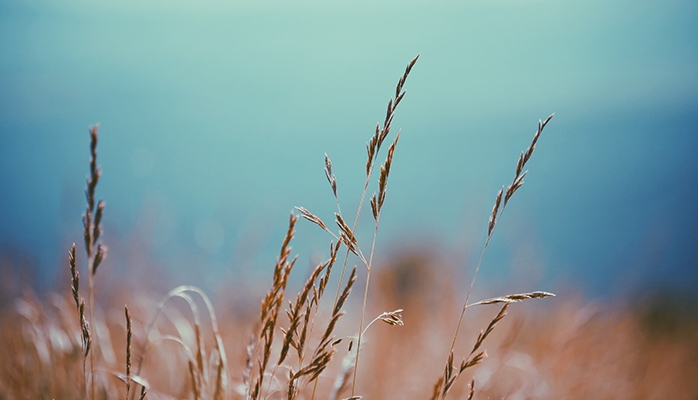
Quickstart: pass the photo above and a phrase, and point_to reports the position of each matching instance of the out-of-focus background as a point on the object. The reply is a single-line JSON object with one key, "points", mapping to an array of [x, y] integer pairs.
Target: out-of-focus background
{"points": [[215, 116]]}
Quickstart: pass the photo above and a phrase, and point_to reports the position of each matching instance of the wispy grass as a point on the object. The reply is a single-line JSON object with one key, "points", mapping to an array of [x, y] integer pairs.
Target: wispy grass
{"points": [[305, 346]]}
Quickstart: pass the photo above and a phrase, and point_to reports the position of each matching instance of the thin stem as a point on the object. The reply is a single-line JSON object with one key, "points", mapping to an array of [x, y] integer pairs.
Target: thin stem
{"points": [[353, 229], [94, 328], [84, 369], [378, 137], [371, 323], [472, 283], [516, 184], [363, 308], [273, 372], [312, 396]]}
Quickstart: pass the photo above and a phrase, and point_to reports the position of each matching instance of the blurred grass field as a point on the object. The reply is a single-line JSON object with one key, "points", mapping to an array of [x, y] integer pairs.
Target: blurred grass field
{"points": [[565, 348]]}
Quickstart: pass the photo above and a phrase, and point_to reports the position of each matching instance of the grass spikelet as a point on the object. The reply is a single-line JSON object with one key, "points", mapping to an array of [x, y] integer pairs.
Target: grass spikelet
{"points": [[100, 255], [302, 338], [92, 219], [129, 333], [75, 280], [273, 298], [514, 298], [381, 133], [436, 392], [371, 150], [523, 159], [325, 349], [291, 392], [449, 375], [392, 318], [475, 357], [330, 176], [97, 226], [493, 216], [314, 219], [383, 178], [337, 311], [200, 355], [374, 206], [271, 306], [295, 313], [471, 389], [92, 180], [334, 248], [399, 93], [85, 326], [348, 233], [483, 335], [86, 340]]}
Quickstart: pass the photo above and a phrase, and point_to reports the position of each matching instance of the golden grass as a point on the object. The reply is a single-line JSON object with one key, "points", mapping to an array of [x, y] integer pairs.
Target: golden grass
{"points": [[572, 348], [57, 349]]}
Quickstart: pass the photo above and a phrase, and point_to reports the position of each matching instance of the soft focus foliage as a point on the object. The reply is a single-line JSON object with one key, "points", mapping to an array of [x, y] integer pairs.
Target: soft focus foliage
{"points": [[566, 347]]}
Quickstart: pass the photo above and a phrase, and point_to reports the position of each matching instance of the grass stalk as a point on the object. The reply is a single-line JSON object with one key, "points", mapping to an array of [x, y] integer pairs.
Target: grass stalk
{"points": [[96, 253], [129, 333], [372, 148], [495, 216]]}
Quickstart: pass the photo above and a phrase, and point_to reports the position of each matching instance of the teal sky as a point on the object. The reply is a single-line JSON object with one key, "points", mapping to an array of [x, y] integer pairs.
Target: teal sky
{"points": [[215, 117]]}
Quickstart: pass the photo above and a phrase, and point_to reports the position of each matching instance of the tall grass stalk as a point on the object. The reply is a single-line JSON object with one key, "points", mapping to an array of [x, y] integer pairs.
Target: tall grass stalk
{"points": [[449, 377], [96, 253]]}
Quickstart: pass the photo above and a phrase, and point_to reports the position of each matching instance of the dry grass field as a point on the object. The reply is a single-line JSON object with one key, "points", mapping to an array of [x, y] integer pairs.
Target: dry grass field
{"points": [[403, 331]]}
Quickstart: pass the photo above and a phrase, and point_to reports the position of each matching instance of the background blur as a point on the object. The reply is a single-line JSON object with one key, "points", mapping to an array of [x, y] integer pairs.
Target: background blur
{"points": [[215, 117]]}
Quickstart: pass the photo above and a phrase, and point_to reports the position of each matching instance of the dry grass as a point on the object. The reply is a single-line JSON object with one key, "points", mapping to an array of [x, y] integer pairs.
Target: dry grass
{"points": [[564, 349], [64, 346]]}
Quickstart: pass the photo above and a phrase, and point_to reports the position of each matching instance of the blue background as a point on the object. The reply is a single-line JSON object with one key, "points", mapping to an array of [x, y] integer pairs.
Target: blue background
{"points": [[215, 117]]}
